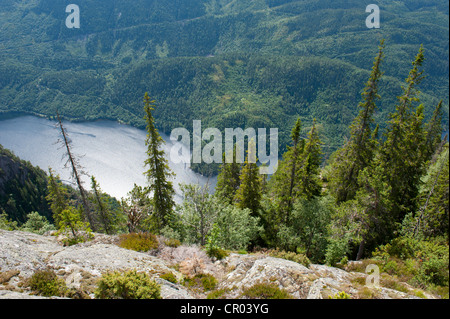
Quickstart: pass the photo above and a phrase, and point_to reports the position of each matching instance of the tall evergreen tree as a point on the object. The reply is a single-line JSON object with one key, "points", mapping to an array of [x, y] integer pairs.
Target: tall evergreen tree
{"points": [[433, 131], [104, 215], [433, 216], [360, 148], [249, 193], [57, 196], [403, 154], [309, 181], [158, 173], [284, 183], [228, 180]]}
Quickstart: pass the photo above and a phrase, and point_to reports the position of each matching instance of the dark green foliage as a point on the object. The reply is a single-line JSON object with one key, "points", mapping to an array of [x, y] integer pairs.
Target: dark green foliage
{"points": [[230, 64], [360, 149], [422, 263], [158, 173], [249, 192], [228, 180], [108, 219], [23, 188], [402, 155]]}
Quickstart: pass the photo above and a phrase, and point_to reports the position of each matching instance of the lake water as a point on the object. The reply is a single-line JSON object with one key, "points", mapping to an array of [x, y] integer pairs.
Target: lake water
{"points": [[112, 152]]}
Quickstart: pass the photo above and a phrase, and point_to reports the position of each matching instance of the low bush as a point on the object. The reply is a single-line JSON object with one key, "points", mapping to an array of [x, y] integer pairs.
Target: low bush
{"points": [[340, 295], [128, 285], [46, 283], [216, 253], [265, 291], [169, 277], [292, 256], [206, 282], [141, 242], [171, 242]]}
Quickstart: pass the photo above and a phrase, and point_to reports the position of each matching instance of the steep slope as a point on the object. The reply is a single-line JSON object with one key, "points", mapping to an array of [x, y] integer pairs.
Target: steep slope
{"points": [[23, 188], [81, 265], [253, 63]]}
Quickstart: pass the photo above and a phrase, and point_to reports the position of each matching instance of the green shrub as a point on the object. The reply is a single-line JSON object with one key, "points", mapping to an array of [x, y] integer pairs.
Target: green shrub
{"points": [[46, 283], [171, 242], [292, 256], [393, 283], [142, 242], [217, 294], [169, 277], [206, 281], [37, 224], [433, 271], [265, 291], [216, 253], [127, 285], [340, 295]]}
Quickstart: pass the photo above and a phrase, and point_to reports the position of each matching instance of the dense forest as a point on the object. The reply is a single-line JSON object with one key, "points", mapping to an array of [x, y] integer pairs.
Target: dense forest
{"points": [[382, 197], [229, 63], [363, 117]]}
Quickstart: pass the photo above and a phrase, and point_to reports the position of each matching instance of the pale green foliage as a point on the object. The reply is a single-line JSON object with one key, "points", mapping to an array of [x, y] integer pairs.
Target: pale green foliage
{"points": [[198, 212], [308, 227], [236, 227], [127, 285], [72, 225], [37, 224]]}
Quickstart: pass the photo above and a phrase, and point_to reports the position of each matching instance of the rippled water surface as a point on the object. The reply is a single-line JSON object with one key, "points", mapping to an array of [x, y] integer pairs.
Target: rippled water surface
{"points": [[112, 152]]}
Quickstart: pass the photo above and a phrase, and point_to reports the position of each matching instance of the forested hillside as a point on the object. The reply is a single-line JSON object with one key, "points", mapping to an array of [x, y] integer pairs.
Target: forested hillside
{"points": [[23, 188], [228, 63]]}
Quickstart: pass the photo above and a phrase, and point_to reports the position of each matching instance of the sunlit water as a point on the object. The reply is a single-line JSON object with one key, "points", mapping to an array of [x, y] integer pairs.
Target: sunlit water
{"points": [[112, 152]]}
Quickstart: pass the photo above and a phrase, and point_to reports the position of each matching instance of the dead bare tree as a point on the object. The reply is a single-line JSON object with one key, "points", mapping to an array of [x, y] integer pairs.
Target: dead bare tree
{"points": [[77, 170]]}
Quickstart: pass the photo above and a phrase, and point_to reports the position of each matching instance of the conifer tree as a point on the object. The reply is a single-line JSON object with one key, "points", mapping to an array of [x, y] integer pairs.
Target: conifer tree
{"points": [[249, 193], [433, 131], [284, 183], [403, 153], [58, 196], [360, 148], [105, 216], [228, 180], [158, 172], [310, 185]]}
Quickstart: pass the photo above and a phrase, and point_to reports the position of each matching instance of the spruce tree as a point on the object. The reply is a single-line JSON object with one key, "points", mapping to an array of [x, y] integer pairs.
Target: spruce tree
{"points": [[360, 148], [284, 183], [158, 173], [104, 215], [433, 131], [249, 193], [310, 185], [58, 196], [403, 153], [228, 180]]}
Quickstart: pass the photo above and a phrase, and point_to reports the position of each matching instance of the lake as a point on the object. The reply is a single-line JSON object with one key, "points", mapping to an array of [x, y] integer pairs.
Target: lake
{"points": [[112, 152]]}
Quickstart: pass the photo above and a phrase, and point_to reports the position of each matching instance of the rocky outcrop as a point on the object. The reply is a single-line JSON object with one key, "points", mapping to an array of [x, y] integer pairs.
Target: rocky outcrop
{"points": [[21, 254]]}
